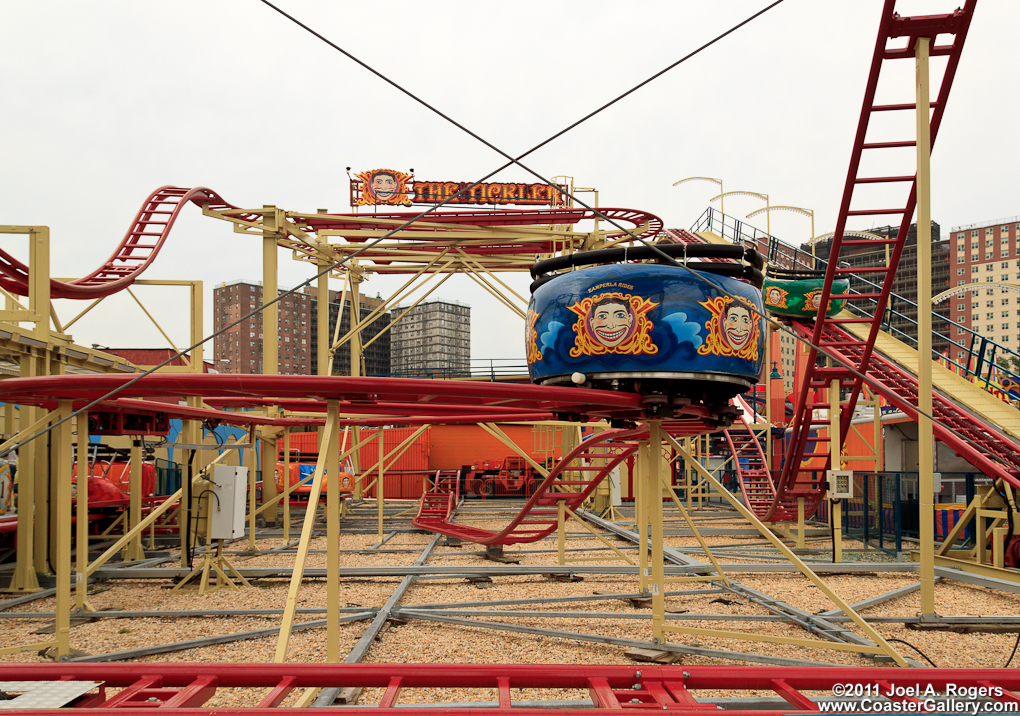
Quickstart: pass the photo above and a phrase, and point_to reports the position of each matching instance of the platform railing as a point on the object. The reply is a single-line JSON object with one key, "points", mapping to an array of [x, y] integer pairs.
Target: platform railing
{"points": [[475, 369], [982, 353]]}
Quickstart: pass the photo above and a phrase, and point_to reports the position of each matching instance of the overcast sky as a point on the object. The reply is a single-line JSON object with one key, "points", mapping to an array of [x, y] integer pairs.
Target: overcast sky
{"points": [[103, 102]]}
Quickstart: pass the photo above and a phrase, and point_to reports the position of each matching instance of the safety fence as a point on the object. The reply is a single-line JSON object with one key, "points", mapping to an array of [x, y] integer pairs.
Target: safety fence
{"points": [[886, 506]]}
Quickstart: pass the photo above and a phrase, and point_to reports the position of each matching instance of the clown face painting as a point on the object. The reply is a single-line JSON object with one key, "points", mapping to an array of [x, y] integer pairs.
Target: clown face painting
{"points": [[611, 321], [732, 329], [737, 327], [383, 186]]}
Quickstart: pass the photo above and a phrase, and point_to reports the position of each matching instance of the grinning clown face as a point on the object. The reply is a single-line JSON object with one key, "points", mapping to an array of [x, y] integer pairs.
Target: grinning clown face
{"points": [[611, 322], [383, 186], [737, 326], [775, 296]]}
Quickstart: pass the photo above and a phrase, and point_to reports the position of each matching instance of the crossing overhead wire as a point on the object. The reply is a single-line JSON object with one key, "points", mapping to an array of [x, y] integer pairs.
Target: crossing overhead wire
{"points": [[369, 245]]}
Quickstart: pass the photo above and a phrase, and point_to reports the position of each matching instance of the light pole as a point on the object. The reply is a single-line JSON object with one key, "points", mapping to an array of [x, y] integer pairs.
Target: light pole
{"points": [[722, 205]]}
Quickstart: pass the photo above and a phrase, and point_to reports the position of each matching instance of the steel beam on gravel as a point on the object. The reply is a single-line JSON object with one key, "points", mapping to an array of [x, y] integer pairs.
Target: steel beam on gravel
{"points": [[630, 643], [328, 696], [213, 640], [670, 553], [183, 613], [543, 600], [532, 570]]}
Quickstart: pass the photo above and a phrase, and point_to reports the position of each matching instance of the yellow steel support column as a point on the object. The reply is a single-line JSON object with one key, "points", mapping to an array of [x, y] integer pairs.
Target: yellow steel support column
{"points": [[33, 460], [322, 321], [286, 485], [54, 367], [270, 451], [639, 480], [561, 531], [380, 490], [272, 220], [25, 578], [654, 494], [81, 601], [297, 574], [925, 441], [332, 532], [249, 457], [355, 277], [836, 513], [133, 550], [800, 523], [62, 467]]}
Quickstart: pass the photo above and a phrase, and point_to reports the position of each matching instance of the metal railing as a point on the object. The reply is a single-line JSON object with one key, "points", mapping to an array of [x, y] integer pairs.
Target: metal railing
{"points": [[981, 352], [476, 369]]}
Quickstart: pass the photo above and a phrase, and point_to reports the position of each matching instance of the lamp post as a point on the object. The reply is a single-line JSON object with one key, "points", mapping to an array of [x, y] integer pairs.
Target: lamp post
{"points": [[722, 205], [756, 195]]}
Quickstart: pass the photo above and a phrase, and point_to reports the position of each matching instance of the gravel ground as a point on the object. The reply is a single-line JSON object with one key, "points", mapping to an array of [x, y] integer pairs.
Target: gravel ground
{"points": [[459, 644]]}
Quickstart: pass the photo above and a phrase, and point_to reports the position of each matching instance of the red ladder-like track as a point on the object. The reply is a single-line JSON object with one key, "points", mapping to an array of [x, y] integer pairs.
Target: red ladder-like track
{"points": [[751, 467], [571, 481], [795, 482], [975, 440], [186, 688], [136, 251]]}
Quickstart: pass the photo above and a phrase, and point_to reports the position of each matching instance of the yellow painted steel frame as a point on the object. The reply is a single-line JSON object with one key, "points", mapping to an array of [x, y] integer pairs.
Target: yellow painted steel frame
{"points": [[332, 557], [881, 645], [567, 512], [925, 438]]}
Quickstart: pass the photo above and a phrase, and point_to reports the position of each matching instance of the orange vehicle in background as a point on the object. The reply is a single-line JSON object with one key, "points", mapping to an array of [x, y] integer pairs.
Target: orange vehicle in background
{"points": [[302, 467]]}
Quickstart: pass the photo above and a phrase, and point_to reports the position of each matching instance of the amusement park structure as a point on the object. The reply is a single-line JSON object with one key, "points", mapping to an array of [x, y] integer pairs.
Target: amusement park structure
{"points": [[641, 341]]}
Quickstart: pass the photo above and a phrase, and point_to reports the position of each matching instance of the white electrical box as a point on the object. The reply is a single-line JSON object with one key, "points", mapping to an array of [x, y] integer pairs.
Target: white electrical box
{"points": [[229, 488], [615, 498], [841, 484]]}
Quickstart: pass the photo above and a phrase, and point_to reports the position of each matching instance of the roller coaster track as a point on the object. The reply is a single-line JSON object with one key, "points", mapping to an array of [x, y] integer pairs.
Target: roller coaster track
{"points": [[156, 217], [571, 481], [795, 480], [136, 251]]}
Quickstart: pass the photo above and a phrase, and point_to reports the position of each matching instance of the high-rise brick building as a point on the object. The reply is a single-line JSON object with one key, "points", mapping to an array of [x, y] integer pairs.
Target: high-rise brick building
{"points": [[432, 340], [239, 349], [985, 252]]}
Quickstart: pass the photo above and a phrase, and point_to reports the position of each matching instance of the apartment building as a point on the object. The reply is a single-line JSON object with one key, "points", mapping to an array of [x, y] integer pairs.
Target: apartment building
{"points": [[239, 349], [985, 253], [375, 358], [432, 340]]}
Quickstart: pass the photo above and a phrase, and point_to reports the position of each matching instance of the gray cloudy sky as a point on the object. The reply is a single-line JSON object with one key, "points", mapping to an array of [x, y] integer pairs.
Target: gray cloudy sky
{"points": [[103, 102]]}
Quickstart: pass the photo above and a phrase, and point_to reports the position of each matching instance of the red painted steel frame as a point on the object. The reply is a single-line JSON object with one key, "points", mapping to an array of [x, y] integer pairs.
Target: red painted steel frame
{"points": [[184, 688], [795, 482], [358, 394]]}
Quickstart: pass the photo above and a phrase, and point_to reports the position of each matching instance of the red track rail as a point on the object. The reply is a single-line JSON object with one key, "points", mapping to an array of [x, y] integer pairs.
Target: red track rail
{"points": [[136, 251], [452, 398], [969, 436], [186, 688], [538, 518], [794, 482], [574, 472], [751, 467]]}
